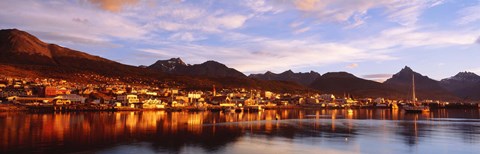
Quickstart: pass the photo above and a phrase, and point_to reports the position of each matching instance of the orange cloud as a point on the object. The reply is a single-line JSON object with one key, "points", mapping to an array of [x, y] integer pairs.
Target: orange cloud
{"points": [[113, 5], [305, 5], [352, 66]]}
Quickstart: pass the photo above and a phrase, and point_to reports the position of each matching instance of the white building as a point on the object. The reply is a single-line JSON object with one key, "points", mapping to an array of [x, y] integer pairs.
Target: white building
{"points": [[268, 94], [153, 103], [128, 99]]}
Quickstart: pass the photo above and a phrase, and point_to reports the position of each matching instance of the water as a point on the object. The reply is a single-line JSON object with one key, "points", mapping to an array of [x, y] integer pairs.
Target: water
{"points": [[296, 131]]}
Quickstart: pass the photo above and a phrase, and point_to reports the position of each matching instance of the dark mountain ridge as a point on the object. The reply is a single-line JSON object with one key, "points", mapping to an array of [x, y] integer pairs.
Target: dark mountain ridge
{"points": [[465, 85], [207, 69], [426, 88], [168, 66], [301, 78], [341, 83], [26, 52]]}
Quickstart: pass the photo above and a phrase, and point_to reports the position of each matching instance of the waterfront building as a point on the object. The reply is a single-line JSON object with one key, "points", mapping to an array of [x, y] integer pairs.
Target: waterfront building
{"points": [[50, 91], [129, 100], [73, 98]]}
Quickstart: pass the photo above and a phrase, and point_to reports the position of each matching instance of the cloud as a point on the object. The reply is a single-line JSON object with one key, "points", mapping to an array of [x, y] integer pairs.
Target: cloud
{"points": [[209, 24], [257, 54], [478, 40], [250, 35], [352, 66], [301, 30], [174, 17], [113, 5], [469, 15], [260, 6], [79, 20], [185, 36], [377, 77], [306, 5], [296, 24], [402, 12], [415, 36], [70, 39], [357, 21], [229, 21], [69, 22]]}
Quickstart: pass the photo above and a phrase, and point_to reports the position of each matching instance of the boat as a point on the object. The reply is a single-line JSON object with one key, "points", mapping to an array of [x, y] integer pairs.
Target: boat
{"points": [[228, 109], [394, 106], [239, 109], [415, 108], [381, 105], [254, 108]]}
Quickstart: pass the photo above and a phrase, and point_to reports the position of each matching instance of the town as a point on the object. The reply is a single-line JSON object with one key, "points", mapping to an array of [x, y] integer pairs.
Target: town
{"points": [[61, 95]]}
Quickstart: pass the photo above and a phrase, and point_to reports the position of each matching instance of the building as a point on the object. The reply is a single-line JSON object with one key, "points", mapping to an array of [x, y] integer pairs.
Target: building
{"points": [[153, 103], [217, 100], [50, 91], [62, 91], [268, 94], [62, 102], [73, 98], [7, 92], [129, 100]]}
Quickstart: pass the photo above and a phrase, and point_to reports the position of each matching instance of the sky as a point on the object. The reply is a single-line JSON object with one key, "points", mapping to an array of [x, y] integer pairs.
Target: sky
{"points": [[372, 39]]}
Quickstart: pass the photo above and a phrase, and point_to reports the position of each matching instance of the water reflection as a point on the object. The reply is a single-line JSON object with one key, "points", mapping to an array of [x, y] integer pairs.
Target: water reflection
{"points": [[218, 132]]}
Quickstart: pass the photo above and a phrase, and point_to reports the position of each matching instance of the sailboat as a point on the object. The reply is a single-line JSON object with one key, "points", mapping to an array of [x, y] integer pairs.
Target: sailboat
{"points": [[415, 108]]}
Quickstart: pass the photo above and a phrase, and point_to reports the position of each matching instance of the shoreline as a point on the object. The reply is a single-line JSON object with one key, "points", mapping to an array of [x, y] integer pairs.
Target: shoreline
{"points": [[96, 108]]}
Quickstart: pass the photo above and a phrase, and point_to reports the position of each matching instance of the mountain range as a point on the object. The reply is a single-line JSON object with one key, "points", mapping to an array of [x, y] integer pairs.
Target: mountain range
{"points": [[207, 69], [302, 78], [22, 55], [425, 87], [343, 83], [465, 85]]}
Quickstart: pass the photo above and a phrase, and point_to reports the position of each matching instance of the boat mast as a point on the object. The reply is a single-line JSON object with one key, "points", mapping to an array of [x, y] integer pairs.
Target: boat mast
{"points": [[413, 90]]}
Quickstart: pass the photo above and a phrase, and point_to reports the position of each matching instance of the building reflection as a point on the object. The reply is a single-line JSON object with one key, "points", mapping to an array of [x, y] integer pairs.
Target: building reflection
{"points": [[88, 131]]}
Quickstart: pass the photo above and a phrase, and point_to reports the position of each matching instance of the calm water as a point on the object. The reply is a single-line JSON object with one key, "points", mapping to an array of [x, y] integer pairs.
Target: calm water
{"points": [[297, 131]]}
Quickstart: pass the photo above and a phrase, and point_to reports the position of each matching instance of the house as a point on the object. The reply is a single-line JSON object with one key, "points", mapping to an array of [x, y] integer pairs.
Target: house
{"points": [[268, 94], [153, 103], [179, 103], [50, 91], [130, 100], [102, 97], [62, 91], [13, 92], [217, 100], [74, 98]]}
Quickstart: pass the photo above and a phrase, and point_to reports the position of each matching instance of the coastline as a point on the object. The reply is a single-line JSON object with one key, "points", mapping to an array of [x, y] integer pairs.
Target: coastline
{"points": [[98, 108]]}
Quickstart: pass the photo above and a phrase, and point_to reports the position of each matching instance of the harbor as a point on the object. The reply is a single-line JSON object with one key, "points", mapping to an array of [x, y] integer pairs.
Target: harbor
{"points": [[277, 131]]}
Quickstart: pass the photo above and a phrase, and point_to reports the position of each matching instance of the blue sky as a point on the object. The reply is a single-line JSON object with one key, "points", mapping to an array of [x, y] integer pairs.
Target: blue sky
{"points": [[369, 38]]}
